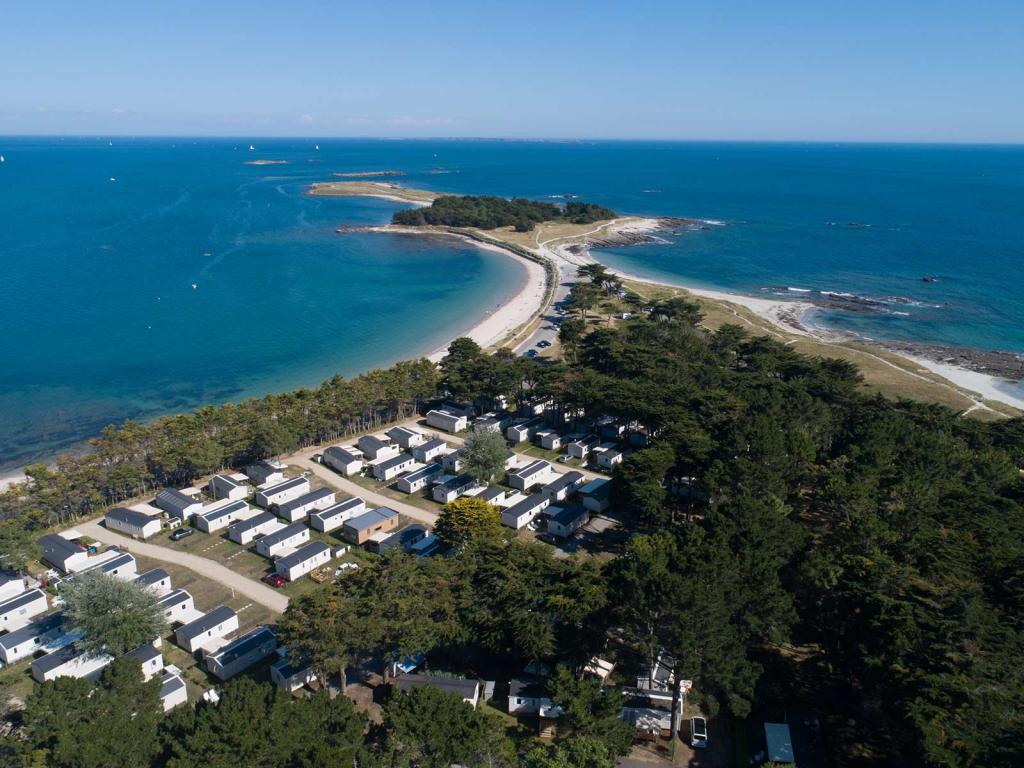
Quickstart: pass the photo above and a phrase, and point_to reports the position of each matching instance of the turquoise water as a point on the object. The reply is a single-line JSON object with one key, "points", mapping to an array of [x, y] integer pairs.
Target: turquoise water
{"points": [[102, 322]]}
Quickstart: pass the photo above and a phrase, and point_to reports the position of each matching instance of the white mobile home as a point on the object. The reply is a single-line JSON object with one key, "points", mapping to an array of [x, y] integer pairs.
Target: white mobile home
{"points": [[332, 518], [580, 449], [177, 505], [431, 450], [245, 532], [121, 566], [207, 629], [241, 654], [529, 696], [279, 493], [405, 437], [69, 661], [22, 643], [596, 495], [492, 494], [150, 658], [447, 420], [173, 692], [549, 439], [155, 580], [450, 490], [303, 560], [491, 422], [227, 487], [419, 479], [523, 430], [178, 606], [139, 525], [607, 455], [65, 555], [266, 472], [287, 676], [11, 587], [523, 512], [289, 537], [537, 472], [299, 508], [452, 462], [18, 611], [343, 460], [375, 448], [389, 469], [563, 486], [222, 514], [566, 521], [467, 690]]}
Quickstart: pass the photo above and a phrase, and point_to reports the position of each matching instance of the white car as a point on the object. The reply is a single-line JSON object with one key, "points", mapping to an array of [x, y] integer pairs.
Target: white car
{"points": [[698, 732]]}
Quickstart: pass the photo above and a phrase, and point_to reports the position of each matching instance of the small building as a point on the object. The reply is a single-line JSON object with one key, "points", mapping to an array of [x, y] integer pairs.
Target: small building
{"points": [[11, 587], [227, 487], [245, 532], [529, 695], [223, 514], [279, 493], [266, 472], [523, 430], [427, 546], [155, 580], [299, 508], [523, 512], [332, 518], [607, 456], [150, 658], [580, 449], [360, 528], [563, 486], [303, 560], [389, 469], [431, 450], [343, 460], [492, 494], [537, 472], [650, 712], [17, 612], [289, 677], [596, 495], [63, 554], [536, 406], [492, 422], [779, 743], [122, 566], [405, 437], [238, 656], [69, 661], [610, 428], [289, 537], [405, 539], [447, 420], [467, 690], [173, 691], [374, 448], [452, 462], [567, 520], [207, 629], [177, 605], [136, 524], [177, 505], [549, 439], [418, 479], [451, 489], [24, 642]]}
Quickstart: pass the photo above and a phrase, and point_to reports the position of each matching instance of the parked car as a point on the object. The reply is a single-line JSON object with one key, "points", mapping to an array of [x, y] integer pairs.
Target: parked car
{"points": [[543, 343], [275, 579], [698, 732], [531, 353], [182, 533]]}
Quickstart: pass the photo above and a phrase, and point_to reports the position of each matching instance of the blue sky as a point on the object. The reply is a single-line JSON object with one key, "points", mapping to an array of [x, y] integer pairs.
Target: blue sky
{"points": [[904, 70]]}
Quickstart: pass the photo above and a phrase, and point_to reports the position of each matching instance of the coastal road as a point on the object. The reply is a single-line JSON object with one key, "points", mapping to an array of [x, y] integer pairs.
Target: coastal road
{"points": [[253, 590]]}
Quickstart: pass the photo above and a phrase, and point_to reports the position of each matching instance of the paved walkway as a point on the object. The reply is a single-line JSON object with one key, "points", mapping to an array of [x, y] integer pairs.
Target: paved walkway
{"points": [[252, 589]]}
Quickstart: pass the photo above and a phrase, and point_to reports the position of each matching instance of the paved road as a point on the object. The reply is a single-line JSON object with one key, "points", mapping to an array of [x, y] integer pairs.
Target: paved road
{"points": [[253, 590], [354, 489]]}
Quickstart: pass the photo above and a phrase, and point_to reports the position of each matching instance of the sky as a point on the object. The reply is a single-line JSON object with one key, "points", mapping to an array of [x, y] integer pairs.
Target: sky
{"points": [[801, 70]]}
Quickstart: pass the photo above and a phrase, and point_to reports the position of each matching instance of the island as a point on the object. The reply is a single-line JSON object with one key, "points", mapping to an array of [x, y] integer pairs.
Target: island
{"points": [[265, 162], [365, 174]]}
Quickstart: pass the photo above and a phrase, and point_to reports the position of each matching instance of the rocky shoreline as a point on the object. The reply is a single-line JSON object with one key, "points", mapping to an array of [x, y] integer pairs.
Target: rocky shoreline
{"points": [[625, 236], [1003, 365]]}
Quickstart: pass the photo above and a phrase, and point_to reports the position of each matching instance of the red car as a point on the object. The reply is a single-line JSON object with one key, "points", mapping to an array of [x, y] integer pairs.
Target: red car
{"points": [[275, 579]]}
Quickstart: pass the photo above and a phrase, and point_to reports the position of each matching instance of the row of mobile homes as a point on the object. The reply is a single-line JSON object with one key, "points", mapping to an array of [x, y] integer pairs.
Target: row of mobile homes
{"points": [[537, 472], [406, 437], [136, 524], [447, 420], [222, 514], [359, 529], [419, 479], [524, 511], [231, 487], [563, 486], [178, 606], [565, 521], [266, 472], [206, 630], [342, 460], [431, 450], [375, 448], [336, 515], [299, 508], [451, 489], [240, 654], [388, 469], [18, 611], [245, 532], [177, 505], [289, 537], [21, 643], [303, 560], [282, 491], [69, 661], [155, 580]]}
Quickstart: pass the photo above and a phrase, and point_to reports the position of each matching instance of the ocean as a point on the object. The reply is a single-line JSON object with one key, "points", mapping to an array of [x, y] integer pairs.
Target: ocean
{"points": [[148, 276]]}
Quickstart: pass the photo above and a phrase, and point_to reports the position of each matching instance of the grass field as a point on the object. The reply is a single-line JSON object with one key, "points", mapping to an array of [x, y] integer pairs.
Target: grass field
{"points": [[371, 189]]}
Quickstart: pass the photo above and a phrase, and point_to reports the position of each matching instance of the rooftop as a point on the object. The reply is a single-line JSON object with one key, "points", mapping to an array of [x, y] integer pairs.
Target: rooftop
{"points": [[237, 649], [303, 553], [284, 485], [304, 499], [284, 534], [130, 516], [370, 518], [206, 622], [35, 629], [466, 689]]}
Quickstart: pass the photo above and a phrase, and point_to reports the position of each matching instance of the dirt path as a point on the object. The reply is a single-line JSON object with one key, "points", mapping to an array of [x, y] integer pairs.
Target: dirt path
{"points": [[255, 591]]}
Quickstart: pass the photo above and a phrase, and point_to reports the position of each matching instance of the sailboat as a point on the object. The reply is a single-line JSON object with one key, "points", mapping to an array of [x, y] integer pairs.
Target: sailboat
{"points": [[317, 147], [252, 148], [2, 159]]}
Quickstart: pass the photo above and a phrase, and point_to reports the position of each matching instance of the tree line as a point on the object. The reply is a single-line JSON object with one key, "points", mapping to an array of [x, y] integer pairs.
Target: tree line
{"points": [[490, 212]]}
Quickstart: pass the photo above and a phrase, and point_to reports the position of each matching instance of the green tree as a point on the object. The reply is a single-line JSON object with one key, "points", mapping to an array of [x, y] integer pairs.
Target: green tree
{"points": [[323, 628], [468, 519], [590, 710], [573, 752], [483, 455], [114, 615]]}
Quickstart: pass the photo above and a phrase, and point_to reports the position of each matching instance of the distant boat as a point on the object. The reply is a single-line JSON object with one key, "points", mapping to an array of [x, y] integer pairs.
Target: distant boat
{"points": [[2, 159], [113, 179], [194, 286], [252, 148], [317, 147], [110, 143]]}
